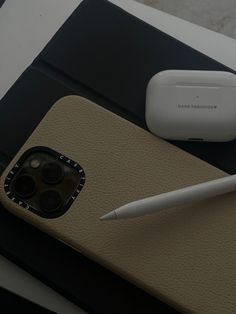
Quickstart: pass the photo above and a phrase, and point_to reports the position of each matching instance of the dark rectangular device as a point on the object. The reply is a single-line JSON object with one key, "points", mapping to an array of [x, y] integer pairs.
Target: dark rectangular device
{"points": [[12, 303], [98, 54]]}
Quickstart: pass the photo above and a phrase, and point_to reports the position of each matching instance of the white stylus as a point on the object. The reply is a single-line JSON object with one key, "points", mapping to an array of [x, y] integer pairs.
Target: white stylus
{"points": [[183, 196]]}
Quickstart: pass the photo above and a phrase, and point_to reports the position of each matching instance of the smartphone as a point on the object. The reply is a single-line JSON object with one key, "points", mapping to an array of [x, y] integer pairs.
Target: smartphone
{"points": [[83, 161]]}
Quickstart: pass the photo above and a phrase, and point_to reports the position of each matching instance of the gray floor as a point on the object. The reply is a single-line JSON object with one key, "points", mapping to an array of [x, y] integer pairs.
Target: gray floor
{"points": [[217, 15]]}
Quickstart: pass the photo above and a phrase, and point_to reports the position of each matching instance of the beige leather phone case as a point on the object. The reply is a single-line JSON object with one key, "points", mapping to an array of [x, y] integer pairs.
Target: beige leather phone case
{"points": [[185, 256]]}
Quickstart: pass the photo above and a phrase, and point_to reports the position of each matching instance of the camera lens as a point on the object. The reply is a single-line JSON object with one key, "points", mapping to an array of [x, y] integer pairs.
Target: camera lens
{"points": [[52, 173], [50, 201], [24, 186]]}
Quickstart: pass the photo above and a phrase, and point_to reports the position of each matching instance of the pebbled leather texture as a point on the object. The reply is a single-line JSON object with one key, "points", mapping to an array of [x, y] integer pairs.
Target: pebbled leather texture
{"points": [[186, 256]]}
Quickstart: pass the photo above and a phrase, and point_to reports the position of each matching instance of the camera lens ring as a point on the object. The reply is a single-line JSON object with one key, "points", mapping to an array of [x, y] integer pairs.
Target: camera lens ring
{"points": [[50, 201], [24, 186], [52, 173]]}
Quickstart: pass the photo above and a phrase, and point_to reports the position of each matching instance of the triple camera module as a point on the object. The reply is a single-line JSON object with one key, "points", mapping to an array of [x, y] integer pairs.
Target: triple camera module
{"points": [[45, 182]]}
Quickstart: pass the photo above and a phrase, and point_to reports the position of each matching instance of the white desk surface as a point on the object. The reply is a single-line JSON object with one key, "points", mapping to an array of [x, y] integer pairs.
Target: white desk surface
{"points": [[26, 26], [20, 282]]}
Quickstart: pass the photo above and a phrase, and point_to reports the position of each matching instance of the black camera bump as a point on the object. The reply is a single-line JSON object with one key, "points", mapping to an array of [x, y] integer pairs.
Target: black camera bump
{"points": [[45, 182]]}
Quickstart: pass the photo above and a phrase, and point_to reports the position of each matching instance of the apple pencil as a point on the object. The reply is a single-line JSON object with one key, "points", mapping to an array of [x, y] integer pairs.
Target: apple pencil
{"points": [[183, 196]]}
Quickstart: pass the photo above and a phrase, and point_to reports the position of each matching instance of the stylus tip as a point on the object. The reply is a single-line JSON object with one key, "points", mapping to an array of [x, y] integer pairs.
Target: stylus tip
{"points": [[109, 216]]}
